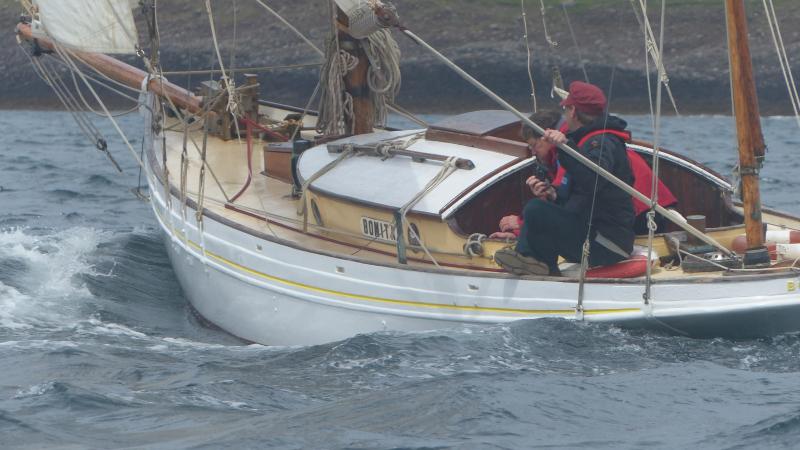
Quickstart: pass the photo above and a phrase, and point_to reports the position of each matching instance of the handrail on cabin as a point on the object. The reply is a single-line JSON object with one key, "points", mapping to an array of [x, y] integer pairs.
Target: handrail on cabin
{"points": [[376, 150]]}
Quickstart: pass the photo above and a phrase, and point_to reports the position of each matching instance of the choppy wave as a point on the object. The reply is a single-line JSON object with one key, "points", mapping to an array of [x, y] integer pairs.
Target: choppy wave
{"points": [[99, 349], [41, 278]]}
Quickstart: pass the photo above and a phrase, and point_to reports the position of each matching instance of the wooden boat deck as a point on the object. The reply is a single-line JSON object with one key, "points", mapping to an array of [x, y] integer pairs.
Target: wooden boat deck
{"points": [[228, 163]]}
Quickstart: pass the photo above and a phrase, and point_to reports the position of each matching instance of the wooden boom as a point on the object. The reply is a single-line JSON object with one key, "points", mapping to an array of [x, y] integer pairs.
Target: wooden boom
{"points": [[124, 73]]}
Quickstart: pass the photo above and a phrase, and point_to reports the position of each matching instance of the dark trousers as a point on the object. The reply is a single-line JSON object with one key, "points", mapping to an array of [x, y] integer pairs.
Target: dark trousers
{"points": [[550, 231]]}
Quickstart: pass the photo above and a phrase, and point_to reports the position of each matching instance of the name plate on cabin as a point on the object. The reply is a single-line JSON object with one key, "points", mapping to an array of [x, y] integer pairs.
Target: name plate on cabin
{"points": [[378, 229]]}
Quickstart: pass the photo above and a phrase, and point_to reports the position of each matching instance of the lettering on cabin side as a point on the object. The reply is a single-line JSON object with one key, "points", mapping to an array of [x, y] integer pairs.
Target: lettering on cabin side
{"points": [[378, 229]]}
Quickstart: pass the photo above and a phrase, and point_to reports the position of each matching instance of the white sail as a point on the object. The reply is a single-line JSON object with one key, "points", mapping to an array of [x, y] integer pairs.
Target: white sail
{"points": [[103, 26]]}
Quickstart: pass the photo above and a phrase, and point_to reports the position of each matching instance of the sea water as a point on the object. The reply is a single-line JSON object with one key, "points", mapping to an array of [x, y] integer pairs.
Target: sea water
{"points": [[99, 349]]}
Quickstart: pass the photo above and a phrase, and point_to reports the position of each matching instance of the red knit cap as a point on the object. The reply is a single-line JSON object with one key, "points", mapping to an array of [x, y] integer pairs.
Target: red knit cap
{"points": [[586, 98]]}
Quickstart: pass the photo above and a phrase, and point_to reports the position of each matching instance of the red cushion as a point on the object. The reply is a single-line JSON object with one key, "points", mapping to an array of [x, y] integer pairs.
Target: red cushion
{"points": [[630, 268]]}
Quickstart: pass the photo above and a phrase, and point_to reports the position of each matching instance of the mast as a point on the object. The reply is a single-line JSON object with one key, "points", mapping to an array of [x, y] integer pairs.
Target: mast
{"points": [[748, 124], [355, 83]]}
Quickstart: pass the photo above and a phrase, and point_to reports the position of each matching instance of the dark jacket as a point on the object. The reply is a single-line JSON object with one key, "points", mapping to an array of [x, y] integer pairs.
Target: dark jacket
{"points": [[613, 215]]}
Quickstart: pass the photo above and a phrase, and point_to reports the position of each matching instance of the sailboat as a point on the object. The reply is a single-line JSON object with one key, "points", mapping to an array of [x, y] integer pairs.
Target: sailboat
{"points": [[287, 226]]}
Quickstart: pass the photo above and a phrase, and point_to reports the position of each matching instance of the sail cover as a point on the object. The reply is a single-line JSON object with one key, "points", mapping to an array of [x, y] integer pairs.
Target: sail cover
{"points": [[103, 26]]}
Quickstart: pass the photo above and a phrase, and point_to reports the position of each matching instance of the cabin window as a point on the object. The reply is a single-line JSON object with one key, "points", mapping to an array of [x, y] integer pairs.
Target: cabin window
{"points": [[413, 235], [692, 185], [316, 213], [482, 213]]}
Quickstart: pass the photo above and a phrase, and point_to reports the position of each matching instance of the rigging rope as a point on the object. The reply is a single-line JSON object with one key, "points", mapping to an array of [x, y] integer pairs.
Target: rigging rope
{"points": [[70, 103], [336, 104], [672, 217], [646, 59], [383, 80], [291, 27], [652, 49], [586, 248], [390, 103], [550, 40], [228, 82], [383, 74], [528, 54], [241, 69], [780, 49], [65, 55], [651, 224], [575, 42], [302, 208], [448, 167]]}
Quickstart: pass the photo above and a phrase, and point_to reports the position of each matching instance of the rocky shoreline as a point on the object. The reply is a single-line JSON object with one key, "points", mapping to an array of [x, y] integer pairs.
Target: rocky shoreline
{"points": [[484, 37]]}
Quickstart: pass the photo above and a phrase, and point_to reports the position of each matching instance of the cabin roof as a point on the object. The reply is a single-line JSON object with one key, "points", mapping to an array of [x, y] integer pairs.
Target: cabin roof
{"points": [[393, 182], [489, 122]]}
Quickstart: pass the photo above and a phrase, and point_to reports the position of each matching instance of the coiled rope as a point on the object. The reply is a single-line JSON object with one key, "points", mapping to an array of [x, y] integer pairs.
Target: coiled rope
{"points": [[383, 80], [335, 104], [383, 75]]}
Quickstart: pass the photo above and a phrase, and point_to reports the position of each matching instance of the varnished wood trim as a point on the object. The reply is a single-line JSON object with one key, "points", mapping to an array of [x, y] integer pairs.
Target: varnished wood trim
{"points": [[490, 143], [153, 163]]}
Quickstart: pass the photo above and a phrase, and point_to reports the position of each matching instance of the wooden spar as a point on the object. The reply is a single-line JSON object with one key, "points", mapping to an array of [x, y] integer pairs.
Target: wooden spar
{"points": [[355, 81], [748, 122], [356, 84], [124, 73]]}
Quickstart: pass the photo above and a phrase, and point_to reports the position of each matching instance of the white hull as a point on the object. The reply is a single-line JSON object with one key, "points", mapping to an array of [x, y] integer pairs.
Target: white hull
{"points": [[297, 287], [275, 293]]}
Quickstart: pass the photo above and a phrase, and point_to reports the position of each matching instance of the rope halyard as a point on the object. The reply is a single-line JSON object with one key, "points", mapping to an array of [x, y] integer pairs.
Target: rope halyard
{"points": [[393, 68], [674, 218], [652, 49], [528, 54], [336, 104], [651, 221], [201, 190], [291, 27], [65, 55], [184, 173], [302, 206], [383, 74], [550, 40], [585, 250], [228, 82], [780, 49], [448, 167], [575, 42], [383, 80], [92, 133]]}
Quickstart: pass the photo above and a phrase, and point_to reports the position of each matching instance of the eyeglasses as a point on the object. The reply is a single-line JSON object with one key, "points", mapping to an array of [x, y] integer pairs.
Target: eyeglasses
{"points": [[535, 140]]}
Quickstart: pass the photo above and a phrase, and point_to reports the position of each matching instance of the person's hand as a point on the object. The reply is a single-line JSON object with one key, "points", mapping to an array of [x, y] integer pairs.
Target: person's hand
{"points": [[554, 137], [541, 189], [502, 235], [509, 223]]}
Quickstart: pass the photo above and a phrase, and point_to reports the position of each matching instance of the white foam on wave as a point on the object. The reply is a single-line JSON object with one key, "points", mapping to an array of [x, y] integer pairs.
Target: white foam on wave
{"points": [[94, 326], [49, 290], [35, 390], [11, 300], [177, 344]]}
